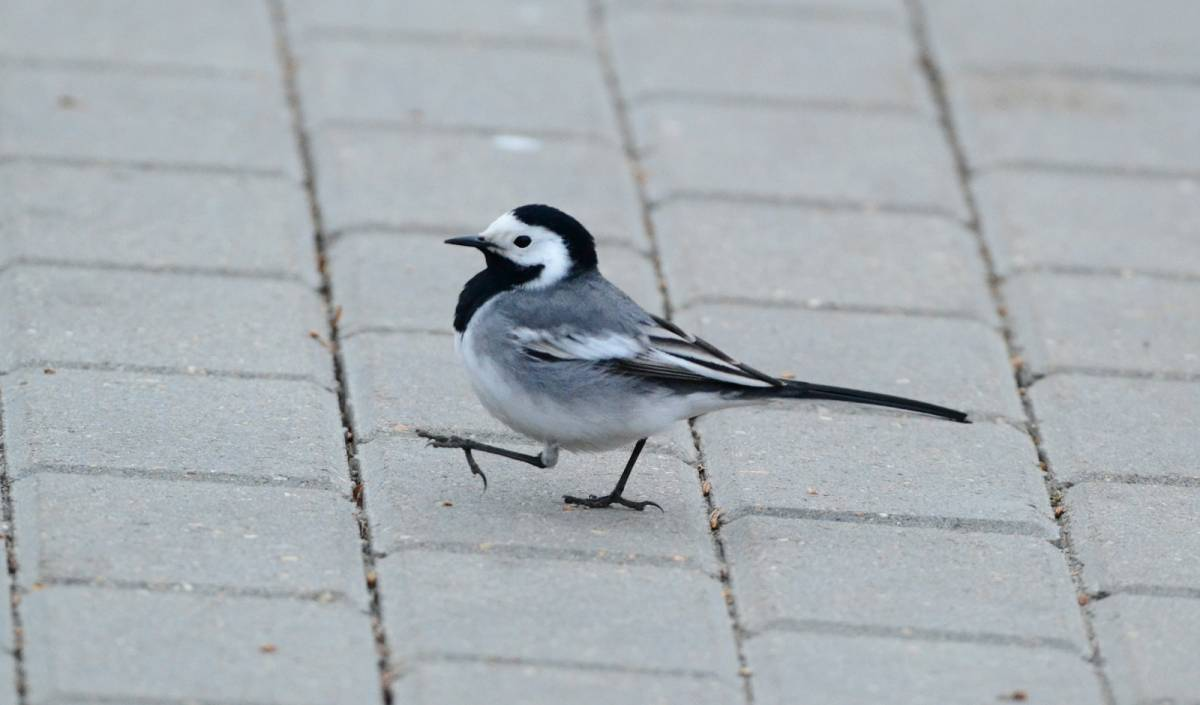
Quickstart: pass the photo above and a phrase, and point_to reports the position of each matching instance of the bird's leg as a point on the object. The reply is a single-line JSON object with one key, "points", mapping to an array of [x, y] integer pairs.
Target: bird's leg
{"points": [[615, 496], [467, 445]]}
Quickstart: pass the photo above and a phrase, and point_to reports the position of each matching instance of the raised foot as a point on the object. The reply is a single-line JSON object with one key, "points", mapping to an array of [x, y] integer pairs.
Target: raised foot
{"points": [[595, 502], [444, 441], [455, 442]]}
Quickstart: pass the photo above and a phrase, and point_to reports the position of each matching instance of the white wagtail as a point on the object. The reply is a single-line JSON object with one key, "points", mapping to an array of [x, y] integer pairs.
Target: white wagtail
{"points": [[561, 355]]}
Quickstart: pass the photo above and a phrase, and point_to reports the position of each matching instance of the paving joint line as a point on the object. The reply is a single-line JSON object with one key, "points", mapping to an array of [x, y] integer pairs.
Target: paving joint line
{"points": [[380, 125], [603, 47], [288, 66], [166, 475], [1111, 372], [824, 626], [782, 103], [833, 205], [1131, 479], [50, 367], [965, 525], [12, 565], [937, 87], [146, 165], [166, 269], [561, 664], [812, 13], [542, 553], [1076, 270], [367, 35], [821, 305], [1111, 74], [1076, 169], [189, 588], [147, 69]]}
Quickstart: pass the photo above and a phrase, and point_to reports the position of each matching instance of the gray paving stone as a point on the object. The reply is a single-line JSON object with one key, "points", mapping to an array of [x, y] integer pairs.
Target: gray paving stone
{"points": [[557, 20], [187, 535], [960, 364], [598, 614], [201, 120], [416, 180], [461, 682], [1149, 646], [136, 423], [880, 11], [793, 574], [178, 646], [408, 485], [786, 254], [226, 34], [869, 158], [399, 382], [1036, 219], [1094, 123], [204, 323], [155, 219], [1095, 428], [809, 460], [449, 85], [661, 51], [862, 670], [1155, 37], [1122, 323], [1130, 536], [375, 274]]}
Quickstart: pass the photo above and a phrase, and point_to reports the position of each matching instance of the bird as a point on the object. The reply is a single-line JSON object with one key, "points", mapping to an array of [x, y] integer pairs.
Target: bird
{"points": [[561, 355]]}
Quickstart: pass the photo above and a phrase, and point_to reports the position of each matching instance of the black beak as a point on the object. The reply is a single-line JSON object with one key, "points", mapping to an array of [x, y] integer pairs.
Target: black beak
{"points": [[475, 241]]}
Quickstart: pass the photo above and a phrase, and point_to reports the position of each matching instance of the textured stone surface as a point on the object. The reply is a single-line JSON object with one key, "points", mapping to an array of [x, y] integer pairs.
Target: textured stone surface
{"points": [[1149, 644], [195, 322], [1101, 124], [1129, 536], [861, 157], [220, 34], [1106, 222], [784, 254], [1094, 428], [865, 670], [665, 51], [412, 282], [813, 460], [459, 682], [136, 423], [1155, 37], [458, 183], [409, 486], [557, 20], [126, 117], [156, 220], [960, 364], [321, 653], [808, 573], [1128, 323], [188, 535], [457, 85], [446, 604]]}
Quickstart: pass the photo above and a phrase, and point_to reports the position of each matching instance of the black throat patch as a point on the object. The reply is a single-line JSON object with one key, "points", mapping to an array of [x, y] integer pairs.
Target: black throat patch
{"points": [[500, 276]]}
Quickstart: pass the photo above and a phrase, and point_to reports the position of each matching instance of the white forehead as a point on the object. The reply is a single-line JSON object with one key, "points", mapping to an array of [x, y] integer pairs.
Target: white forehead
{"points": [[506, 223]]}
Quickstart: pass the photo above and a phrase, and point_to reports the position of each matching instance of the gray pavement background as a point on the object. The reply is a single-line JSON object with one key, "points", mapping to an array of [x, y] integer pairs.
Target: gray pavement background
{"points": [[224, 313]]}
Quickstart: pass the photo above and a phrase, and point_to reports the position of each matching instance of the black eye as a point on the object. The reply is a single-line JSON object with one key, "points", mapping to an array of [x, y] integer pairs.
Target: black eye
{"points": [[522, 241]]}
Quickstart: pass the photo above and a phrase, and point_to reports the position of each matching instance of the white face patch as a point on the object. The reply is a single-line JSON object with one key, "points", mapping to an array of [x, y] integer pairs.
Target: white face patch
{"points": [[544, 248]]}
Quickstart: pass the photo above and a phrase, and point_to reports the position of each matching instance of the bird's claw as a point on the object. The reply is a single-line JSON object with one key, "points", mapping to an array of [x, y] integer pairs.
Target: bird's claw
{"points": [[475, 469], [594, 502], [438, 441]]}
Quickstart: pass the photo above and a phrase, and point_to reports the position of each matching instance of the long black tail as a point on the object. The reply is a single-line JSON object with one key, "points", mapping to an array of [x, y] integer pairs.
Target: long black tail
{"points": [[805, 390]]}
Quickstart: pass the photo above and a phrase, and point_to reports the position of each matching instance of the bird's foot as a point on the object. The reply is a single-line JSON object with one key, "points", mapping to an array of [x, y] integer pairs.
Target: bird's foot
{"points": [[595, 502], [437, 441]]}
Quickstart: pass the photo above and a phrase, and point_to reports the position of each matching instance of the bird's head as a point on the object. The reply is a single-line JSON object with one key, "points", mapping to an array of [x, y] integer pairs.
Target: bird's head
{"points": [[540, 243]]}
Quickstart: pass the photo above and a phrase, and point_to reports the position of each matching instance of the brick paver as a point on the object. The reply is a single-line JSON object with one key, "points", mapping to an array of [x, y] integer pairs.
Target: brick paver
{"points": [[225, 313]]}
